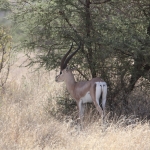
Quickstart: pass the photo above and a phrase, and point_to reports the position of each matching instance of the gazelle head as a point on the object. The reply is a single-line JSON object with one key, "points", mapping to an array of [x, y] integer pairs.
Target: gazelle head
{"points": [[64, 70]]}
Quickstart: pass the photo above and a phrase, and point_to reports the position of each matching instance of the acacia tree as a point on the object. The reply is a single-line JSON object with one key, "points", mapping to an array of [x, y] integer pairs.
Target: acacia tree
{"points": [[115, 37]]}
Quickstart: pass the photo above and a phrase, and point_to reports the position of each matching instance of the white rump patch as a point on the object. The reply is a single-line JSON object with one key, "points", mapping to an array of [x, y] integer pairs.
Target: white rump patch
{"points": [[101, 89], [87, 98]]}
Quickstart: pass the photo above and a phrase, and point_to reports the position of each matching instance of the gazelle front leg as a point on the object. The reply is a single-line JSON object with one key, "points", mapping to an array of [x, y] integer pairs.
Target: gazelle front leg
{"points": [[81, 109], [81, 112]]}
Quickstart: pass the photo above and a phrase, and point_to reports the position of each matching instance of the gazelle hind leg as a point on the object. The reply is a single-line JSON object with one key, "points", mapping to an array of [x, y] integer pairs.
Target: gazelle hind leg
{"points": [[95, 98], [98, 92], [104, 94]]}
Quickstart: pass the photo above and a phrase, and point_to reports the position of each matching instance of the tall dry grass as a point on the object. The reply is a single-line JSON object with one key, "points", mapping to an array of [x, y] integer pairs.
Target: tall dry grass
{"points": [[27, 121]]}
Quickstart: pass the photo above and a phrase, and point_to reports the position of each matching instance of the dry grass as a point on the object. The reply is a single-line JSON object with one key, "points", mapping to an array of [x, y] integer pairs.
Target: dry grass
{"points": [[26, 124]]}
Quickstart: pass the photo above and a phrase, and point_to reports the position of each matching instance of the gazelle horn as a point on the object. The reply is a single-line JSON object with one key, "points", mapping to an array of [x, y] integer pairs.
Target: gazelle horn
{"points": [[69, 57], [63, 59]]}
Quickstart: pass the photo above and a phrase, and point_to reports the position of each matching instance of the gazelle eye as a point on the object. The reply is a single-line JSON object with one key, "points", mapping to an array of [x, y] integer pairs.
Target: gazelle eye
{"points": [[60, 72]]}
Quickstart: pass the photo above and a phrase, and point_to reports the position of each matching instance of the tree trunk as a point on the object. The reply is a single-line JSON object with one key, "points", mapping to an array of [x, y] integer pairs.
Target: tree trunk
{"points": [[88, 24]]}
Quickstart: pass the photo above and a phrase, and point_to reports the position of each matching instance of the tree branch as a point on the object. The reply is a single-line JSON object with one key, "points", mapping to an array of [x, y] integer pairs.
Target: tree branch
{"points": [[100, 2], [71, 26], [82, 74]]}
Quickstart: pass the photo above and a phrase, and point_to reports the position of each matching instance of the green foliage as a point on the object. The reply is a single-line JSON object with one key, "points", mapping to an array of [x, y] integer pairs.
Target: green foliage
{"points": [[115, 36], [4, 5]]}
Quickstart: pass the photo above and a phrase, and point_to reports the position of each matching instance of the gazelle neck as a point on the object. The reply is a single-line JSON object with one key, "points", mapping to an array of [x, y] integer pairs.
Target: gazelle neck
{"points": [[70, 83]]}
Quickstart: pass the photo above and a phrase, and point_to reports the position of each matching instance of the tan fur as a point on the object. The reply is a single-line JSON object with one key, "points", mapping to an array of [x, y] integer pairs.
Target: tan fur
{"points": [[78, 90]]}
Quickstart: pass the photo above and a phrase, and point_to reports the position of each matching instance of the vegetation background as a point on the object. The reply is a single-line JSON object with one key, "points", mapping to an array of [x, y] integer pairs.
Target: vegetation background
{"points": [[115, 37]]}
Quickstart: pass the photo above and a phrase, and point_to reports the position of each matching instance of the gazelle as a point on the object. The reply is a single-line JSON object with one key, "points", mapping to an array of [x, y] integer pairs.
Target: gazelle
{"points": [[83, 91]]}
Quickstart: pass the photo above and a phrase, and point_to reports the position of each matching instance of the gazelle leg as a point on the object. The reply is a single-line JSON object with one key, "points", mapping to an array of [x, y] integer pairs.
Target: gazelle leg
{"points": [[104, 94], [81, 112], [98, 92], [81, 109], [96, 99]]}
